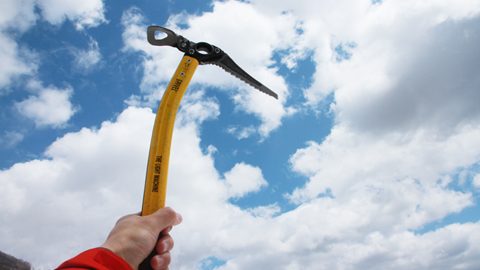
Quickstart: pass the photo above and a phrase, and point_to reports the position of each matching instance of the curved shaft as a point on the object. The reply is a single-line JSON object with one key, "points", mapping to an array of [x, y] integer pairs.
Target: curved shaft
{"points": [[157, 167]]}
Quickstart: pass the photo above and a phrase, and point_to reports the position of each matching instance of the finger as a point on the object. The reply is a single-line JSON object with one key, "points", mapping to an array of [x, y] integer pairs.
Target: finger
{"points": [[166, 230], [163, 218], [164, 244], [161, 261]]}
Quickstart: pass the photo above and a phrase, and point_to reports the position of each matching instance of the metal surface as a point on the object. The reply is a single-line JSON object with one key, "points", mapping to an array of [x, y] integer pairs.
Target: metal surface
{"points": [[205, 53]]}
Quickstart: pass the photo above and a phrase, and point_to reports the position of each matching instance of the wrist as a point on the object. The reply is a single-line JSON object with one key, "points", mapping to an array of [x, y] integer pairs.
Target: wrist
{"points": [[118, 250]]}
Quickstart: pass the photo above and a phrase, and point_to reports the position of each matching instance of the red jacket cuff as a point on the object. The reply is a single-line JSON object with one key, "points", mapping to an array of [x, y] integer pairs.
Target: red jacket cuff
{"points": [[96, 258]]}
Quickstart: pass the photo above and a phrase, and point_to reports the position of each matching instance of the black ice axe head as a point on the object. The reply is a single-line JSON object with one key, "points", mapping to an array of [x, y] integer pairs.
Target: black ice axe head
{"points": [[205, 53]]}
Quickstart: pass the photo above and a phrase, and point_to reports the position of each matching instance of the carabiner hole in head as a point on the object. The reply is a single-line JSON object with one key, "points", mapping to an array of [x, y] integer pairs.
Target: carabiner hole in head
{"points": [[203, 48], [159, 35]]}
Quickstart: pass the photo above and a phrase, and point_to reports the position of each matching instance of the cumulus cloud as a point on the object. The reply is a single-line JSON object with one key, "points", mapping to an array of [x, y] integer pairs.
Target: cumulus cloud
{"points": [[13, 61], [69, 189], [83, 14], [381, 175], [243, 179], [403, 105], [198, 108], [435, 86], [375, 160], [265, 210], [476, 181], [50, 106], [83, 184], [90, 177], [16, 61], [19, 16], [239, 21]]}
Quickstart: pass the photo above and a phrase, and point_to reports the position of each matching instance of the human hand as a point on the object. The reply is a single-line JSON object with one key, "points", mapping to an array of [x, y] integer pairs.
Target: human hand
{"points": [[134, 237]]}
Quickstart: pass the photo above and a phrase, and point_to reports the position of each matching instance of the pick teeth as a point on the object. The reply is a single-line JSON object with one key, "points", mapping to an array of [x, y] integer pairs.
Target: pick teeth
{"points": [[260, 87]]}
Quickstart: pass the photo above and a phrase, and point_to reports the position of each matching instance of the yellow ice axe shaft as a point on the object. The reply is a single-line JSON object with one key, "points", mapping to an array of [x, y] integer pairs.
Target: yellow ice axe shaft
{"points": [[157, 167]]}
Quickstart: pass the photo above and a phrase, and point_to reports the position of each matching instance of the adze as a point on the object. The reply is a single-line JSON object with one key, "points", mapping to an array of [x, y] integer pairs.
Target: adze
{"points": [[195, 54]]}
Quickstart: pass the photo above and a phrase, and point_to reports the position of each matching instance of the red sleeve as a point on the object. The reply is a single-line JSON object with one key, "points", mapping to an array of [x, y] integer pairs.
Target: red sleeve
{"points": [[97, 259]]}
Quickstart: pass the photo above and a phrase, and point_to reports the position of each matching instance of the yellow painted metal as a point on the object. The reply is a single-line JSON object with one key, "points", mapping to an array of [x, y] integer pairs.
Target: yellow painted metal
{"points": [[157, 168]]}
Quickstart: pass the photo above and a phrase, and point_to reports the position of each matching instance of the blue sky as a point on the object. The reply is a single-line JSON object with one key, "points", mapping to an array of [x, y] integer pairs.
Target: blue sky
{"points": [[368, 160]]}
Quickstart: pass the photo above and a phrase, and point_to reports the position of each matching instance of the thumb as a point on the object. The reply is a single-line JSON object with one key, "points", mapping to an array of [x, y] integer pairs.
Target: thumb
{"points": [[163, 218]]}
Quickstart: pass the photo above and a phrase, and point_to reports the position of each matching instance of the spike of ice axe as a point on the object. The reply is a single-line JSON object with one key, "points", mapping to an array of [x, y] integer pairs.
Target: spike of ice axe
{"points": [[158, 158]]}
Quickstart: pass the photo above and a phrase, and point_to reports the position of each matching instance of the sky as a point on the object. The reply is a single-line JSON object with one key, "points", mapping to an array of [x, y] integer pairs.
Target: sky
{"points": [[369, 159]]}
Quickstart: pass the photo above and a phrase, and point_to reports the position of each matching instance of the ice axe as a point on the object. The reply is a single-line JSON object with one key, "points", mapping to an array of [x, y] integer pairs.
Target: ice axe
{"points": [[194, 54]]}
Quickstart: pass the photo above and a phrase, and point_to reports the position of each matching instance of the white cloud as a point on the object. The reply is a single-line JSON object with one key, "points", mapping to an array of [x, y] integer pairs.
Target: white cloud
{"points": [[13, 64], [243, 179], [261, 35], [396, 42], [241, 132], [371, 184], [448, 248], [198, 108], [67, 195], [433, 87], [368, 159], [265, 211], [404, 104], [476, 181], [19, 16], [87, 13], [87, 180], [10, 139], [90, 177], [86, 60], [15, 15], [50, 106]]}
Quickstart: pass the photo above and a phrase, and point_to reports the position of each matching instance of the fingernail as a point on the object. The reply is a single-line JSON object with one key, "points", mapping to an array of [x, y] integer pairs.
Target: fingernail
{"points": [[164, 247], [160, 261]]}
